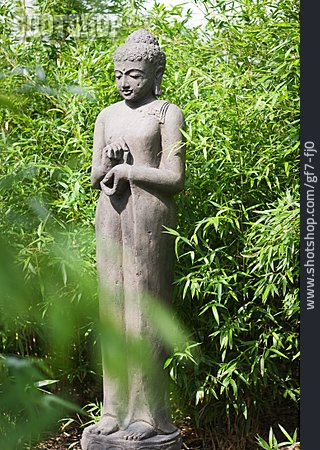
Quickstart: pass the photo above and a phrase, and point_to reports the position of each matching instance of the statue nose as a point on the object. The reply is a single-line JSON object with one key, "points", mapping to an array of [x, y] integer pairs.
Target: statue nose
{"points": [[124, 82]]}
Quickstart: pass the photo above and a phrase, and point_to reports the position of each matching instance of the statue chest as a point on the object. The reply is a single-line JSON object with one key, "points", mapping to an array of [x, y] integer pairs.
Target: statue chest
{"points": [[141, 132]]}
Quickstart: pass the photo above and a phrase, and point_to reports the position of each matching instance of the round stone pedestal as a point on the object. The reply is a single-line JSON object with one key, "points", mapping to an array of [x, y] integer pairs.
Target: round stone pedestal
{"points": [[115, 441]]}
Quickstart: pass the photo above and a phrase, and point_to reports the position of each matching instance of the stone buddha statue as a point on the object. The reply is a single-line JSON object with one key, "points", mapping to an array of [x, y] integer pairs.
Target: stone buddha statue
{"points": [[138, 164]]}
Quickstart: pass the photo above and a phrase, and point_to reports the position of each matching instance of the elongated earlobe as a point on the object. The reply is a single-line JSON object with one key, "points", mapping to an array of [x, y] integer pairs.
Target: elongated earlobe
{"points": [[157, 82], [157, 89]]}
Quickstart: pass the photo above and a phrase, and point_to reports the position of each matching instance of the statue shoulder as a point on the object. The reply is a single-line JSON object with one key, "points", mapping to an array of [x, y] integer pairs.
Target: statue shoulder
{"points": [[103, 115], [174, 115]]}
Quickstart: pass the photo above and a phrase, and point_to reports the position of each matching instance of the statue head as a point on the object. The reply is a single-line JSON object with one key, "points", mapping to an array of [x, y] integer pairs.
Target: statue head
{"points": [[139, 66]]}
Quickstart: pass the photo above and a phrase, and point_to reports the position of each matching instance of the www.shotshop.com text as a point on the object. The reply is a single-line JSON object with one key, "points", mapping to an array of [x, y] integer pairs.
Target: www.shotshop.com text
{"points": [[308, 235]]}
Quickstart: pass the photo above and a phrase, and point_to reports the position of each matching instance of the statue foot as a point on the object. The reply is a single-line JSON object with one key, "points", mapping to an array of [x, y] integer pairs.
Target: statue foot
{"points": [[137, 431], [107, 425]]}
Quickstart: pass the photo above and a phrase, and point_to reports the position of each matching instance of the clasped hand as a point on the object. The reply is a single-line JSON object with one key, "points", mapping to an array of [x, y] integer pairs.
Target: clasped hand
{"points": [[114, 181], [116, 150]]}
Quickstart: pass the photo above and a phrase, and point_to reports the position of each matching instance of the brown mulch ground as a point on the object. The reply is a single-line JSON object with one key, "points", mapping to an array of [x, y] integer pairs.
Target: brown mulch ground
{"points": [[65, 440]]}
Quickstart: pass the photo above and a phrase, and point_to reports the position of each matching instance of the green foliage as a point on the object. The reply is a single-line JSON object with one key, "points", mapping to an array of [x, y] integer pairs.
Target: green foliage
{"points": [[26, 408], [273, 444], [237, 244], [236, 78]]}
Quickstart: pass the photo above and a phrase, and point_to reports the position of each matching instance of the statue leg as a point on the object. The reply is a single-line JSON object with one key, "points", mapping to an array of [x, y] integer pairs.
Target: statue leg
{"points": [[110, 275], [148, 269]]}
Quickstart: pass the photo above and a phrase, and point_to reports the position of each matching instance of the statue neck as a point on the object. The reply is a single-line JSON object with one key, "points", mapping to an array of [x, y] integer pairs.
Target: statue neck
{"points": [[135, 105]]}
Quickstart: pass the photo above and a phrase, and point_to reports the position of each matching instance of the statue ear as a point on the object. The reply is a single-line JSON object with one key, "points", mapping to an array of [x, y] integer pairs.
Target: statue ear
{"points": [[157, 81]]}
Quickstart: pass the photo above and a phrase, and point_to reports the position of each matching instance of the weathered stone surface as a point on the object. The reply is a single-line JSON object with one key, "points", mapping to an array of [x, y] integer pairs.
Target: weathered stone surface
{"points": [[138, 164], [115, 441]]}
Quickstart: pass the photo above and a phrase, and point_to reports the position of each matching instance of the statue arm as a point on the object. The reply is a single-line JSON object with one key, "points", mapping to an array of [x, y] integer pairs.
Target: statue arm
{"points": [[97, 169], [169, 177]]}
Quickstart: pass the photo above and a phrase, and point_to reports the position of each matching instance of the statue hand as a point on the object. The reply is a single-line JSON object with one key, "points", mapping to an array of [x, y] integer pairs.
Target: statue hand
{"points": [[115, 180], [115, 150]]}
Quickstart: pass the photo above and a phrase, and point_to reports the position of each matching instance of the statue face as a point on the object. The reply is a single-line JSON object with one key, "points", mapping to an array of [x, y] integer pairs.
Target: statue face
{"points": [[135, 79]]}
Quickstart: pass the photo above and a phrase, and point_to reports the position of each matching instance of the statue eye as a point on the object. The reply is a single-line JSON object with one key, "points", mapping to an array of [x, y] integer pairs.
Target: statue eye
{"points": [[135, 75]]}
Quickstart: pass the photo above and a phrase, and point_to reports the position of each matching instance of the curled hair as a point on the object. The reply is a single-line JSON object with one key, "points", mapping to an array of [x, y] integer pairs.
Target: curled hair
{"points": [[141, 45]]}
